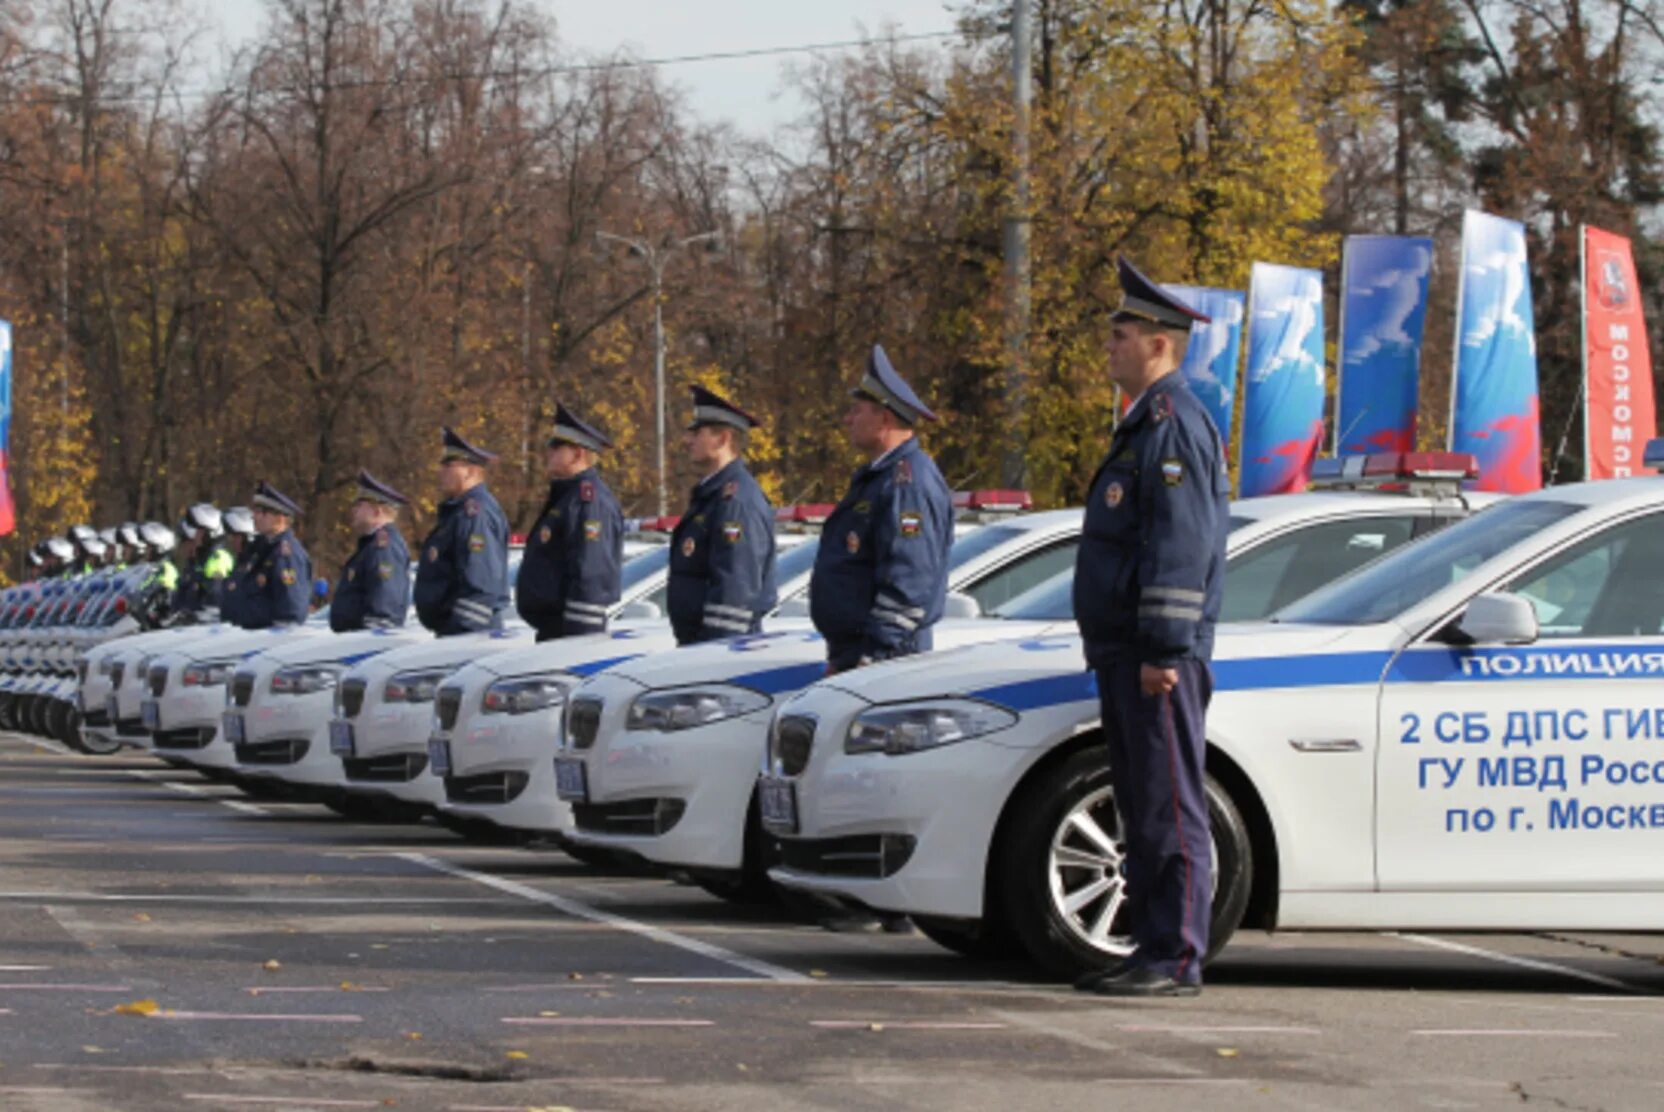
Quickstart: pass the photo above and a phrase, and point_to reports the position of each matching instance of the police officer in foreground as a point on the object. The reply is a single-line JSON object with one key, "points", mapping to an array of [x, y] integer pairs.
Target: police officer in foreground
{"points": [[722, 551], [374, 589], [1149, 580], [881, 572], [570, 574], [462, 580], [275, 574]]}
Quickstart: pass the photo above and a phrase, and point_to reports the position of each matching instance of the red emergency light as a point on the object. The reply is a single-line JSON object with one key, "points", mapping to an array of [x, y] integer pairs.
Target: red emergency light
{"points": [[1422, 465], [804, 513], [993, 501]]}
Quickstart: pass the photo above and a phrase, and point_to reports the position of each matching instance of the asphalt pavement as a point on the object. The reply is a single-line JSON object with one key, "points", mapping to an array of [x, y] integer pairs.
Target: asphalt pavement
{"points": [[166, 944]]}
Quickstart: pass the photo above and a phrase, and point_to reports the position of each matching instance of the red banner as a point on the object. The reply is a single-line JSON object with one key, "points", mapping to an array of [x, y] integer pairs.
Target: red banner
{"points": [[1619, 415]]}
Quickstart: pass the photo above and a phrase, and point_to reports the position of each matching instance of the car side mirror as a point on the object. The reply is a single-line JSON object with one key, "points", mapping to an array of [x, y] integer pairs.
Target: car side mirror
{"points": [[1498, 619], [640, 611], [961, 605]]}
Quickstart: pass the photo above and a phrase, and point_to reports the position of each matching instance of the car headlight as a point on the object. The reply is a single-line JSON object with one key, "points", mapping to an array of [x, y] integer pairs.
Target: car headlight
{"points": [[683, 708], [524, 694], [913, 727], [415, 687], [208, 673], [304, 680]]}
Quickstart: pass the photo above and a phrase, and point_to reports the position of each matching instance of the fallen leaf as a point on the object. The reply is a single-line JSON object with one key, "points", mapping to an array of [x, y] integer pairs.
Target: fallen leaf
{"points": [[348, 986], [517, 1055], [413, 1036], [548, 1015], [378, 945], [743, 1067], [136, 1007], [140, 917], [574, 976], [92, 1050], [1226, 1052], [271, 965], [817, 972], [875, 1027]]}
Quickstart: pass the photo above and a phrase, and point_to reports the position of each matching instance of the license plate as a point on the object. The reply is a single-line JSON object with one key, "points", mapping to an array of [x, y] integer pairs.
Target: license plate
{"points": [[340, 738], [777, 802], [571, 780], [439, 756], [233, 727], [150, 714], [110, 707]]}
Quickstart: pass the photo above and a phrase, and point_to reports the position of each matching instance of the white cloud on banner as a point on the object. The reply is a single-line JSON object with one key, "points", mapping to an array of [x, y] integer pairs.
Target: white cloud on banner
{"points": [[1401, 291]]}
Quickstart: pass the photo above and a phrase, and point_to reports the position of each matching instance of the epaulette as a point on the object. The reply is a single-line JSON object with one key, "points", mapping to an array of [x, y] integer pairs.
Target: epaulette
{"points": [[586, 491], [283, 548]]}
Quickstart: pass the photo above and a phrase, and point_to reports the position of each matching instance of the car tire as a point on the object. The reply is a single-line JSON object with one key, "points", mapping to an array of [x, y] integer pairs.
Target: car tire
{"points": [[8, 712], [971, 938], [69, 726], [35, 709], [1079, 785]]}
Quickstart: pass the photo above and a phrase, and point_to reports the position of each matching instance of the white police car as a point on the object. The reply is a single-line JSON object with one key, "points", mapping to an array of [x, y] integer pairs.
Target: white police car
{"points": [[1457, 736], [660, 753], [383, 707]]}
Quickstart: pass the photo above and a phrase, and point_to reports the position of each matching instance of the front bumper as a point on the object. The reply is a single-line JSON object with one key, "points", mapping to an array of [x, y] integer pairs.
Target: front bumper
{"points": [[184, 723], [389, 755], [906, 833], [286, 737], [502, 766]]}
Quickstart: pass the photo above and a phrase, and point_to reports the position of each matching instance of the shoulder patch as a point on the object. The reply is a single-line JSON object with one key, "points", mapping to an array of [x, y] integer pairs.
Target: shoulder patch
{"points": [[288, 577], [385, 570], [586, 491], [904, 471], [1172, 472], [912, 523], [433, 553], [732, 531], [476, 542]]}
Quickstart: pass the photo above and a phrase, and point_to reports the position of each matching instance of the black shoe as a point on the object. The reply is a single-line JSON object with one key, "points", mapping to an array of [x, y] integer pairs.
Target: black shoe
{"points": [[1144, 981], [1086, 982]]}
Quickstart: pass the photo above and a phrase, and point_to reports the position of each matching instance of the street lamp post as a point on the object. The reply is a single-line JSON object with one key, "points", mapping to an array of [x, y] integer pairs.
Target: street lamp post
{"points": [[655, 257]]}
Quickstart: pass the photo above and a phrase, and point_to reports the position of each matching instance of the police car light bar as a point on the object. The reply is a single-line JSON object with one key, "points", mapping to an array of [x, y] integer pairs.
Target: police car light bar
{"points": [[993, 501], [1382, 468], [1653, 454], [804, 513]]}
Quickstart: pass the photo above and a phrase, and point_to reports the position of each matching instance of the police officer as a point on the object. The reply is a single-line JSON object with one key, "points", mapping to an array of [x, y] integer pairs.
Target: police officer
{"points": [[374, 588], [570, 573], [462, 580], [881, 572], [206, 561], [275, 574], [1149, 579], [722, 551]]}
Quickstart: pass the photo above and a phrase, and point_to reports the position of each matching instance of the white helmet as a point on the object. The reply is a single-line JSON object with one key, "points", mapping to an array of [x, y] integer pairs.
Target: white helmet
{"points": [[60, 548], [203, 517], [240, 520], [158, 537]]}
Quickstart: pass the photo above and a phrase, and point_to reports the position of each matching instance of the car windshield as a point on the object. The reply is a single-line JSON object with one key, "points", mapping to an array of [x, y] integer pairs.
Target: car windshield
{"points": [[980, 540], [1387, 587], [795, 561], [648, 563]]}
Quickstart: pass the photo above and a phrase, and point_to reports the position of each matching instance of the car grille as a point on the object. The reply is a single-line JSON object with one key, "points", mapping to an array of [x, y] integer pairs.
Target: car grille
{"points": [[583, 722], [862, 855], [193, 738], [242, 688], [352, 697], [400, 768], [791, 742], [634, 816], [285, 752], [158, 680], [117, 670], [487, 787], [446, 706]]}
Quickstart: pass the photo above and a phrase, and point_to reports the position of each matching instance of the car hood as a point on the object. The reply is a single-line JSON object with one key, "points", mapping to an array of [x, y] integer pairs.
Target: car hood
{"points": [[156, 640], [439, 652], [230, 642], [788, 659], [347, 648], [581, 655]]}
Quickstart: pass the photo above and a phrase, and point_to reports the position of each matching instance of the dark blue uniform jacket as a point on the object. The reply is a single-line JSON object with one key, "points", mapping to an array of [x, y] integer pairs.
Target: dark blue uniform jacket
{"points": [[570, 574], [462, 580], [881, 571], [271, 585], [374, 590], [722, 559], [1150, 571]]}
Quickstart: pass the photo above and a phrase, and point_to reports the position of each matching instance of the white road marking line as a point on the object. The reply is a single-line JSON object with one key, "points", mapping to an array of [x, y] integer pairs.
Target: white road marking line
{"points": [[1513, 1033], [130, 897], [245, 1016], [259, 991], [584, 911], [196, 790], [1179, 1029], [602, 1021], [1585, 999], [905, 1025], [1513, 959], [24, 968], [292, 1102], [64, 988], [40, 1090]]}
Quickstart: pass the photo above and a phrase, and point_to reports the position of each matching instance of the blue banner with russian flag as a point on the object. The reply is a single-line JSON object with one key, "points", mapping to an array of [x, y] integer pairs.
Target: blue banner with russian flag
{"points": [[8, 511], [1282, 417], [1493, 390], [1383, 312], [1215, 349]]}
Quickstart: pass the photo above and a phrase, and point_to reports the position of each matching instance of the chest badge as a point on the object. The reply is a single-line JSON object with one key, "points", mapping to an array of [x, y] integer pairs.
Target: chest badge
{"points": [[259, 581], [433, 553], [1113, 494], [853, 542], [544, 534], [688, 546]]}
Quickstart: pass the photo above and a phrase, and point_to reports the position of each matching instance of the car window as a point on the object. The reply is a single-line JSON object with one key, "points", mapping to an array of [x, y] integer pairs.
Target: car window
{"points": [[1291, 566], [1027, 571], [1610, 585], [1385, 588]]}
